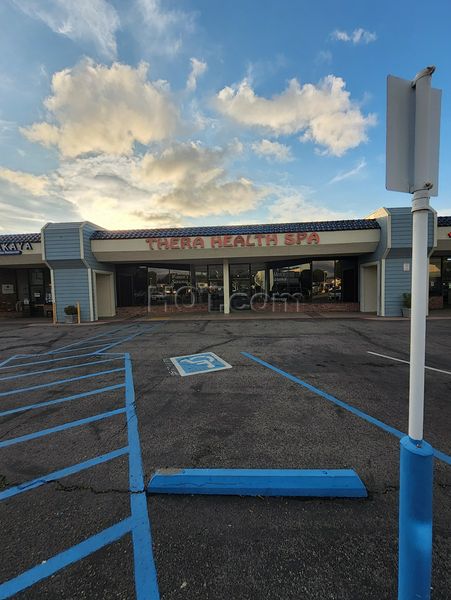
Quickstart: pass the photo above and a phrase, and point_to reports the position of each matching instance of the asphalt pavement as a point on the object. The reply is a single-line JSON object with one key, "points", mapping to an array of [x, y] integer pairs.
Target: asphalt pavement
{"points": [[249, 416]]}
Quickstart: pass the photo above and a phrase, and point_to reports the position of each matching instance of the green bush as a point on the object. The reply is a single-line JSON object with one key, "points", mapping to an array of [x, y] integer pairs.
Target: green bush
{"points": [[70, 310], [407, 300]]}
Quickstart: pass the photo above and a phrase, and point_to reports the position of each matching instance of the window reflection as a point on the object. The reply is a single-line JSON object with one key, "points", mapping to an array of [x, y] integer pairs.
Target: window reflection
{"points": [[435, 276], [294, 280], [317, 281]]}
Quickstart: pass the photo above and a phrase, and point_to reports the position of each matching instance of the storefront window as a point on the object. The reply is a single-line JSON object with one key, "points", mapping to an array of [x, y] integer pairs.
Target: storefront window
{"points": [[446, 281], [345, 281], [324, 288], [258, 279], [215, 278], [319, 281], [215, 286], [295, 280], [240, 279], [435, 277], [180, 278], [201, 283], [26, 290]]}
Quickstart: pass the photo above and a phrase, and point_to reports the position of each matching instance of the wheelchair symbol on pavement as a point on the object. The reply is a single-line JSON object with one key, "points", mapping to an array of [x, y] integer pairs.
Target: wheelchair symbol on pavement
{"points": [[192, 364]]}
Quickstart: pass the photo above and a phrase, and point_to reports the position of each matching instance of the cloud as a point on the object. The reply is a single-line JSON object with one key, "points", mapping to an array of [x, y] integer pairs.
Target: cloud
{"points": [[198, 68], [161, 188], [293, 206], [192, 180], [95, 108], [24, 212], [34, 184], [84, 21], [272, 150], [358, 36], [165, 29], [215, 198], [184, 164], [352, 173], [323, 113], [7, 128], [323, 57]]}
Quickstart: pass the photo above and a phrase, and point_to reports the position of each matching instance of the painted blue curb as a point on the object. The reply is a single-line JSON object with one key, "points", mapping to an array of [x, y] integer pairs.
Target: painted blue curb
{"points": [[336, 483], [415, 520]]}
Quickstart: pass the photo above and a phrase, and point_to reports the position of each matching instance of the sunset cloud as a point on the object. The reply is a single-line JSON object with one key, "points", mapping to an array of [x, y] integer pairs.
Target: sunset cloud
{"points": [[323, 113], [94, 108]]}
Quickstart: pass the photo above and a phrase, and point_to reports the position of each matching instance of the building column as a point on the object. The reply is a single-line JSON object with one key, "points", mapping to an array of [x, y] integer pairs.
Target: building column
{"points": [[268, 286], [226, 282]]}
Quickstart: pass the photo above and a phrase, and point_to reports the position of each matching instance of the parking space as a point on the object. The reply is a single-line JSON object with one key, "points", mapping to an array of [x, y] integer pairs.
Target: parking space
{"points": [[300, 394], [68, 415]]}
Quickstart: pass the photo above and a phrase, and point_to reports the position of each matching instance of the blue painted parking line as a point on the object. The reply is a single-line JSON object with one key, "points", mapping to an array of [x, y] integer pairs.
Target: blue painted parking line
{"points": [[77, 349], [77, 366], [146, 583], [138, 525], [70, 425], [107, 335], [51, 360], [129, 338], [64, 559], [442, 456], [56, 475], [20, 409], [355, 411], [53, 352], [7, 360], [58, 382], [313, 483], [95, 337]]}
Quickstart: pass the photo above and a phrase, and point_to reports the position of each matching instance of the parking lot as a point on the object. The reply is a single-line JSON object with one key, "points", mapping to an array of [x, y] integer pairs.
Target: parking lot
{"points": [[301, 394]]}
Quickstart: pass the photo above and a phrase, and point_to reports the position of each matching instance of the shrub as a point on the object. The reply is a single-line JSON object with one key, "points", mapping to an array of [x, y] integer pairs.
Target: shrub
{"points": [[407, 300], [70, 310]]}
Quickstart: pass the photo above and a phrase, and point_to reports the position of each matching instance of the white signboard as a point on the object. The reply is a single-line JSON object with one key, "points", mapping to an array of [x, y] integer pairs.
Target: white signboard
{"points": [[400, 159], [7, 288]]}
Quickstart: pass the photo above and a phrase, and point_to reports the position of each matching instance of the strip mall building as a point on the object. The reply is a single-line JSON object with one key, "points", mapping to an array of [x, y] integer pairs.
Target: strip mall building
{"points": [[362, 264]]}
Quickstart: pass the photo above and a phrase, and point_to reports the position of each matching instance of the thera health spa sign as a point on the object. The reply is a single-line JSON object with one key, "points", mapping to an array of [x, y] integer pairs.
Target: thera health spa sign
{"points": [[14, 248], [233, 241]]}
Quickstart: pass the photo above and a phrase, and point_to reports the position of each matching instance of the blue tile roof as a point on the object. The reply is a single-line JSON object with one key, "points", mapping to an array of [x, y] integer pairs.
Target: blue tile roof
{"points": [[129, 234], [20, 237]]}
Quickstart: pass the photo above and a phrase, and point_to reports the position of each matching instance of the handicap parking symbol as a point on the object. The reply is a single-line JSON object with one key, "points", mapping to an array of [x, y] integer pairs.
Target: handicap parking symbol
{"points": [[192, 364]]}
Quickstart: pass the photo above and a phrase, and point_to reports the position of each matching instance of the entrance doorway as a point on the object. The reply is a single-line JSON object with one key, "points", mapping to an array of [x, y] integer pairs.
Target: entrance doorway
{"points": [[369, 288], [104, 295], [446, 282]]}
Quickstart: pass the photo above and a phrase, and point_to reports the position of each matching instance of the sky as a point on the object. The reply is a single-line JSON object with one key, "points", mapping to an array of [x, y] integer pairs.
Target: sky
{"points": [[165, 113]]}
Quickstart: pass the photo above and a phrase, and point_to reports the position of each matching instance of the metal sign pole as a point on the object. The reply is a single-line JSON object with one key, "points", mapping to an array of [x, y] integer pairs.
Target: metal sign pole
{"points": [[416, 459]]}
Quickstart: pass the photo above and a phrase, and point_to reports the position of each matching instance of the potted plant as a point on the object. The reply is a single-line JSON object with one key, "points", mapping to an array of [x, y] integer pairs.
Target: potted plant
{"points": [[71, 313], [406, 304]]}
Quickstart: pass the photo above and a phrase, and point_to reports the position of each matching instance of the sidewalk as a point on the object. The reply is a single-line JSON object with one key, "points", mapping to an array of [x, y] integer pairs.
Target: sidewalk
{"points": [[438, 315]]}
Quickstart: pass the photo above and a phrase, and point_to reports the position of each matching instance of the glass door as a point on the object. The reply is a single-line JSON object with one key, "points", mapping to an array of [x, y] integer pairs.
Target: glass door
{"points": [[446, 281], [37, 292], [240, 286]]}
